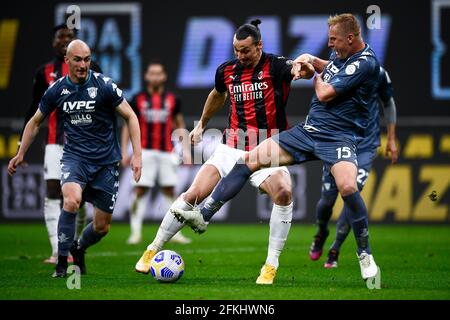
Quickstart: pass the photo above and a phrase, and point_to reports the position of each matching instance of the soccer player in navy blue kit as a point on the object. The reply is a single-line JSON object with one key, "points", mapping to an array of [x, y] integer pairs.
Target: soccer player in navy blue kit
{"points": [[366, 151], [336, 122], [89, 166], [45, 76]]}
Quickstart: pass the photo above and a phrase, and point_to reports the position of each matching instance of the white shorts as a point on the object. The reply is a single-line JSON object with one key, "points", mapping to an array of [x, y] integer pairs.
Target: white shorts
{"points": [[52, 161], [158, 166], [225, 157]]}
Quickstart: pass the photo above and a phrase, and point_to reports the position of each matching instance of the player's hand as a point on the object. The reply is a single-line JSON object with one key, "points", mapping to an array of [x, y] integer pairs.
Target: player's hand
{"points": [[136, 167], [391, 151], [195, 136], [302, 68], [14, 163]]}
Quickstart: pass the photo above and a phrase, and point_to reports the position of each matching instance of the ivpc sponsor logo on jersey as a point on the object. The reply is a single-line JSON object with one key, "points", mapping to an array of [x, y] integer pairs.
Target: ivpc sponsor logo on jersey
{"points": [[247, 91], [80, 111], [113, 32]]}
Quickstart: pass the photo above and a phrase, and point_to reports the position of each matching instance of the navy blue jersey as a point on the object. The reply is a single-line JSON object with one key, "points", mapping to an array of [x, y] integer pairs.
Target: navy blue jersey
{"points": [[382, 97], [355, 81], [88, 109]]}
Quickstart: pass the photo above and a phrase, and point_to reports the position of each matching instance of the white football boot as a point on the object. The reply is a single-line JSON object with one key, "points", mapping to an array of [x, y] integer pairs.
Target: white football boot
{"points": [[192, 217], [367, 264]]}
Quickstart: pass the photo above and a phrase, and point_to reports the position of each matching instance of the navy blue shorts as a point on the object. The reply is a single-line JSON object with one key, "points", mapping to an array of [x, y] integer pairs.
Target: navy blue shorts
{"points": [[100, 183], [365, 160], [305, 146]]}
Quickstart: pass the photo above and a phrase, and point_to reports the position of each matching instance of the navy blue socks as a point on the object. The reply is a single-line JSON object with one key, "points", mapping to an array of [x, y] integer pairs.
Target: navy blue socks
{"points": [[66, 232], [358, 219]]}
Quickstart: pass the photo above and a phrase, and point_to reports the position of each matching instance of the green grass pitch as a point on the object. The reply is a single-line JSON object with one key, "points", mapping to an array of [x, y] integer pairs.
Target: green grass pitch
{"points": [[224, 262]]}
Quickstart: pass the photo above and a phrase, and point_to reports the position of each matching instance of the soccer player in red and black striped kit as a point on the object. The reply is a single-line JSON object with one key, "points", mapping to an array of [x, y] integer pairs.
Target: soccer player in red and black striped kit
{"points": [[45, 76], [258, 85], [159, 112]]}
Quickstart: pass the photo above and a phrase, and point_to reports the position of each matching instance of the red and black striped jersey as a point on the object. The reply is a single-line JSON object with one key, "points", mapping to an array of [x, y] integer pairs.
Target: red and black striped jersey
{"points": [[258, 98], [156, 114], [44, 77]]}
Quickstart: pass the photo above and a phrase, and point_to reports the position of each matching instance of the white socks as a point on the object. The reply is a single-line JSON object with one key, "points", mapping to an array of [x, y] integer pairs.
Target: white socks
{"points": [[137, 214], [280, 223], [52, 210], [169, 226]]}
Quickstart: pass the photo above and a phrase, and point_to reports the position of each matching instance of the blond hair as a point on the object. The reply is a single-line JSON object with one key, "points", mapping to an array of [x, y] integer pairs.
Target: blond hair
{"points": [[347, 23]]}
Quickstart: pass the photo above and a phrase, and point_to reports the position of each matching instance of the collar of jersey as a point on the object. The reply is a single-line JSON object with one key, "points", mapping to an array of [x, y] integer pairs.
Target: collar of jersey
{"points": [[70, 83]]}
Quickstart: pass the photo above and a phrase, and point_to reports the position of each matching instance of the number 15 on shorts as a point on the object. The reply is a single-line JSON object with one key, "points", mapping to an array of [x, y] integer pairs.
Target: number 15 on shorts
{"points": [[344, 153]]}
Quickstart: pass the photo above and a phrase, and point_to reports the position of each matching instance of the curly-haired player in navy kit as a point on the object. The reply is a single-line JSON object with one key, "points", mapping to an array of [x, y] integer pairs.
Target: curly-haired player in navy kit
{"points": [[89, 166]]}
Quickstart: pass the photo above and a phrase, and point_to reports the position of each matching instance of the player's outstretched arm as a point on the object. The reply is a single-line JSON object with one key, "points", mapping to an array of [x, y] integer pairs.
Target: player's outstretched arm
{"points": [[131, 119], [214, 103], [29, 133]]}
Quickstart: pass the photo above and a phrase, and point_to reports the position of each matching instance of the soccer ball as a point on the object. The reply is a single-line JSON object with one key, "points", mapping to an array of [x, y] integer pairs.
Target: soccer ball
{"points": [[167, 266]]}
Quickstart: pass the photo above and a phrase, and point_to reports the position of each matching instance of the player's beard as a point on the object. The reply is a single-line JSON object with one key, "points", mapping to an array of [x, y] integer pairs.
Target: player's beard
{"points": [[81, 75]]}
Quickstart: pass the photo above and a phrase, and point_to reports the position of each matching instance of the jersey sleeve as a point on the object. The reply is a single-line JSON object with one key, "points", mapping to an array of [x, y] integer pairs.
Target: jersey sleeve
{"points": [[352, 75], [113, 93], [282, 67], [48, 101], [385, 91], [220, 79]]}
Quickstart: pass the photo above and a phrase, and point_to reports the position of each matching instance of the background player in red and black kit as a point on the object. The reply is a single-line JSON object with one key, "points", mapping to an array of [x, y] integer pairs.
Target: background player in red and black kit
{"points": [[46, 75], [258, 85], [159, 112]]}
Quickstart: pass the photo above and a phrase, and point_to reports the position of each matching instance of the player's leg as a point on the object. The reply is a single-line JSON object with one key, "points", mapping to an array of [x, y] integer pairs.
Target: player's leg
{"points": [[137, 213], [92, 233], [343, 227], [52, 210], [81, 220], [52, 201], [264, 155], [324, 209], [168, 194], [150, 167], [203, 184], [167, 179], [279, 187], [345, 173], [342, 230], [72, 192], [101, 191]]}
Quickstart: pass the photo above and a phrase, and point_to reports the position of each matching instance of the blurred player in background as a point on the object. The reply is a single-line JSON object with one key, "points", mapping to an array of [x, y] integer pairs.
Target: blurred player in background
{"points": [[45, 76], [337, 121], [90, 163], [258, 84], [159, 112], [366, 151]]}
